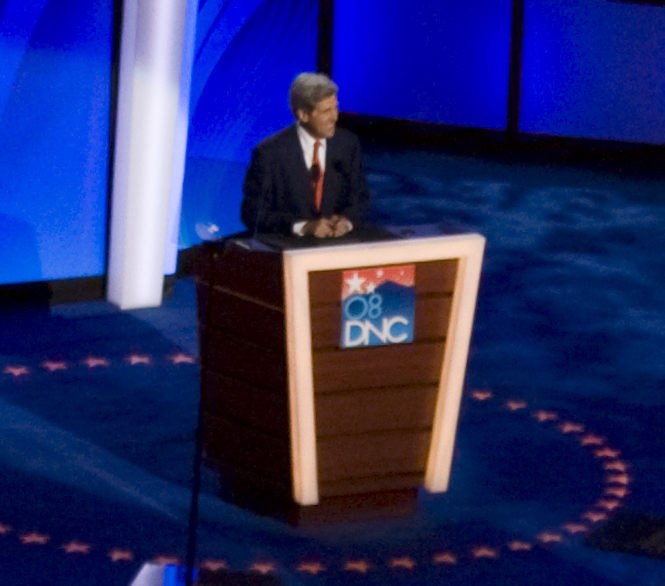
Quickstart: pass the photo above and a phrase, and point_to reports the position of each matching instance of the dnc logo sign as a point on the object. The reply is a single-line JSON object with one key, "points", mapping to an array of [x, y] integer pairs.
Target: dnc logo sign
{"points": [[378, 306]]}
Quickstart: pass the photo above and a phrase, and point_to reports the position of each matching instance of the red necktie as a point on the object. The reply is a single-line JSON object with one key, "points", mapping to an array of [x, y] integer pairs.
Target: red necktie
{"points": [[317, 177]]}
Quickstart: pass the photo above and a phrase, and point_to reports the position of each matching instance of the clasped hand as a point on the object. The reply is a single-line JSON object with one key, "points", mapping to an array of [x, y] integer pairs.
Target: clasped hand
{"points": [[334, 226]]}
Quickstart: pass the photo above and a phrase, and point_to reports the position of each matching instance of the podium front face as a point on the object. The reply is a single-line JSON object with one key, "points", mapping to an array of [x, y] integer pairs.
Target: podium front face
{"points": [[291, 411]]}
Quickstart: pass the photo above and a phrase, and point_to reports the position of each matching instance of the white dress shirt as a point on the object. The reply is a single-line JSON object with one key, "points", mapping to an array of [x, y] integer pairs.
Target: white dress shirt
{"points": [[307, 142]]}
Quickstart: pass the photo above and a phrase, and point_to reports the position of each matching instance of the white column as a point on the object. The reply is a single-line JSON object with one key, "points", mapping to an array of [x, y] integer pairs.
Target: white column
{"points": [[149, 123]]}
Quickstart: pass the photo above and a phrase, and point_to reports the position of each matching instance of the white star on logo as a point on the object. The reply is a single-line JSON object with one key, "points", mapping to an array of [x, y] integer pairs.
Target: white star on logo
{"points": [[355, 284], [371, 287]]}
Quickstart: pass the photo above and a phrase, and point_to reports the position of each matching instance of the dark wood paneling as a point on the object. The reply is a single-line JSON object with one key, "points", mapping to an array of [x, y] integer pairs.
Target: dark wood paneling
{"points": [[374, 406], [436, 277], [352, 508], [200, 260], [264, 496], [246, 319], [253, 407], [370, 484], [375, 410], [249, 272], [380, 366], [376, 454], [241, 447], [325, 287], [256, 365], [432, 317]]}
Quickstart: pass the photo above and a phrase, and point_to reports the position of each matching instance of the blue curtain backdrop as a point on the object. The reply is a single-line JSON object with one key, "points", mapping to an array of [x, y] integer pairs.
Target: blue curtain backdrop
{"points": [[594, 69], [438, 61], [591, 68], [55, 90], [247, 54]]}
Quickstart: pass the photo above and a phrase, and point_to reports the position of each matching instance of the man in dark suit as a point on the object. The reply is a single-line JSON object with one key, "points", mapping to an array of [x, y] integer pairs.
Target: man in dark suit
{"points": [[307, 179]]}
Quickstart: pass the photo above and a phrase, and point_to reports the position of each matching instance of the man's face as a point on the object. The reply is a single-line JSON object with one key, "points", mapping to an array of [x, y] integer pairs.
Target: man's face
{"points": [[320, 122]]}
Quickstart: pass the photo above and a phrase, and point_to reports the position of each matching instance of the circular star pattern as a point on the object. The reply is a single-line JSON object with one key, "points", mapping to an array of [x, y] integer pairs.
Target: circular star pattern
{"points": [[617, 479]]}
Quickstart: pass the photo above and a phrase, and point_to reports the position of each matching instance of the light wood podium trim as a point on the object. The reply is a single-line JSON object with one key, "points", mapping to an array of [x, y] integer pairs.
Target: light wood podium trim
{"points": [[468, 248]]}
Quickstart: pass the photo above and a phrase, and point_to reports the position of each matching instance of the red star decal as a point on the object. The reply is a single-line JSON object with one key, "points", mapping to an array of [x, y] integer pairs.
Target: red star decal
{"points": [[120, 555], [515, 405], [617, 491], [570, 427], [4, 529], [618, 479], [262, 567], [404, 562], [616, 465], [592, 440], [76, 547], [181, 358], [482, 395], [607, 453], [52, 365], [608, 504], [214, 565], [360, 566], [34, 538], [573, 528], [135, 359], [594, 516], [445, 558], [543, 416], [166, 560], [520, 546], [312, 568], [94, 361], [17, 370], [484, 552], [549, 537]]}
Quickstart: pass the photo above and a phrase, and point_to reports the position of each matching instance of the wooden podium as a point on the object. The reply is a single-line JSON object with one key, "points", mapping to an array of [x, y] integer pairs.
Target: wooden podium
{"points": [[301, 426]]}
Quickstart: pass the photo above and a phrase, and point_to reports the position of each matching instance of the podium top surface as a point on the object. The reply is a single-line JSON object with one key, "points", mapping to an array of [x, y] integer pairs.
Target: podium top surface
{"points": [[385, 252], [358, 236], [358, 244]]}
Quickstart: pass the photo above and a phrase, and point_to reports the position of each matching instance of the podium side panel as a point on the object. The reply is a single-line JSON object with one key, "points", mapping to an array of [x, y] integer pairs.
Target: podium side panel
{"points": [[243, 381]]}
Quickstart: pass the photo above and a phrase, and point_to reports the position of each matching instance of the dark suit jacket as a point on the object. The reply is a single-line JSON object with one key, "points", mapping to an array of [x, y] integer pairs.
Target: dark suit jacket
{"points": [[278, 190]]}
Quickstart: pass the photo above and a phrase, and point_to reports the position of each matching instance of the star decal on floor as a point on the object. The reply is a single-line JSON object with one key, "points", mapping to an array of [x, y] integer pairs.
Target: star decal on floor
{"points": [[76, 547], [34, 538], [614, 489], [16, 370], [51, 365], [312, 568]]}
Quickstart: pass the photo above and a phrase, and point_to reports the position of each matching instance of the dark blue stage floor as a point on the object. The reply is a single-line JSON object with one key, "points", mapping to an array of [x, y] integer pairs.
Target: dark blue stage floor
{"points": [[561, 427]]}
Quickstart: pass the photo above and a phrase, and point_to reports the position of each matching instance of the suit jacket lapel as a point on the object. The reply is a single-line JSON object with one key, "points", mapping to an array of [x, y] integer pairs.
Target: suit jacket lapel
{"points": [[302, 187]]}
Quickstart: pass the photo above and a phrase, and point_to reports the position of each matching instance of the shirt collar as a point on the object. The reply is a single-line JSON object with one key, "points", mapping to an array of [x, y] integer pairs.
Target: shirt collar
{"points": [[306, 139]]}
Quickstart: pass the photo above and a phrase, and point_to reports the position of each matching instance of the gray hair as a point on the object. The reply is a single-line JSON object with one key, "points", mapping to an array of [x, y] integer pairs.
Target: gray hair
{"points": [[308, 89]]}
